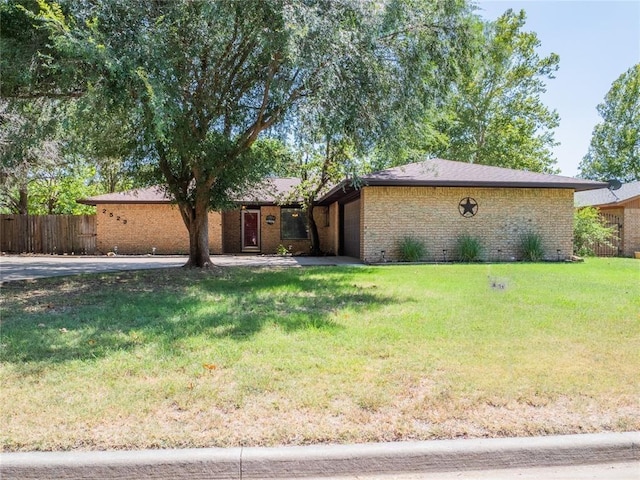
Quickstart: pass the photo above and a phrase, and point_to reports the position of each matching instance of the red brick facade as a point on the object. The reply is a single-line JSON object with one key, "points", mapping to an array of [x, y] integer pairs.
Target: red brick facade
{"points": [[270, 233]]}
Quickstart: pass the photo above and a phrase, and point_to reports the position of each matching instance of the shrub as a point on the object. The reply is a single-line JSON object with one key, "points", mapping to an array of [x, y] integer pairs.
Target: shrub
{"points": [[531, 247], [282, 251], [589, 229], [468, 249], [412, 250]]}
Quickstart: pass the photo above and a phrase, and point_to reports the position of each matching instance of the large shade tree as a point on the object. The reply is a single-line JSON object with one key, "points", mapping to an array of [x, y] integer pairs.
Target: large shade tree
{"points": [[45, 165], [26, 118], [369, 106], [29, 146], [614, 152], [200, 81], [494, 114]]}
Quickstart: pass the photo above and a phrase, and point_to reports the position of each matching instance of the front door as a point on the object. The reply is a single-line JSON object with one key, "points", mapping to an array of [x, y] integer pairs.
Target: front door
{"points": [[250, 230]]}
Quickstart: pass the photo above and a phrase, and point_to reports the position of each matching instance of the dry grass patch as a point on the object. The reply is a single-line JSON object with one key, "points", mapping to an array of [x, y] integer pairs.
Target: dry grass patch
{"points": [[181, 358]]}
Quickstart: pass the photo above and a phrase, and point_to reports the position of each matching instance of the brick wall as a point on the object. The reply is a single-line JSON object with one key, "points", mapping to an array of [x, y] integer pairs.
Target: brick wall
{"points": [[629, 213], [231, 227], [332, 242], [326, 225], [137, 228], [431, 214], [271, 234], [270, 238], [631, 228]]}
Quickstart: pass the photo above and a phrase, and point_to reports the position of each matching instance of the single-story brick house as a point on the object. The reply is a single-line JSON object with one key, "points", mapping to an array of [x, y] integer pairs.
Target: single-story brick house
{"points": [[145, 221], [621, 209], [435, 201]]}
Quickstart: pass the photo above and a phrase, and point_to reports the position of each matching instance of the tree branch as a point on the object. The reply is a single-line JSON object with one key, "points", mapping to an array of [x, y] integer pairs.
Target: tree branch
{"points": [[44, 94], [411, 28]]}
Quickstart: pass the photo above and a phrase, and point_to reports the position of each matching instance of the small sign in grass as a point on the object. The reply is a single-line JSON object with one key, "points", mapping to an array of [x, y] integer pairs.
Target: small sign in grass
{"points": [[184, 358]]}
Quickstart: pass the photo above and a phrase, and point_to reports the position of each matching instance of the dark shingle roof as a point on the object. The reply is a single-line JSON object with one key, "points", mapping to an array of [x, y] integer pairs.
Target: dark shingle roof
{"points": [[605, 196], [435, 172], [271, 191], [139, 195], [438, 172]]}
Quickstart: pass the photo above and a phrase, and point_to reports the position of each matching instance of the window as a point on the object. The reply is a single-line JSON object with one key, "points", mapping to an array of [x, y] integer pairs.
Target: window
{"points": [[293, 224]]}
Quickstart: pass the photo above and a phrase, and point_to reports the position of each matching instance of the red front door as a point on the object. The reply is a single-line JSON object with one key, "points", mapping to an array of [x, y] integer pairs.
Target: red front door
{"points": [[250, 230]]}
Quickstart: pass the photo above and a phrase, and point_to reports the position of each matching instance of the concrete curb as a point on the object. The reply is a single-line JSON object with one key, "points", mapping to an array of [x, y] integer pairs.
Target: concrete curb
{"points": [[325, 460]]}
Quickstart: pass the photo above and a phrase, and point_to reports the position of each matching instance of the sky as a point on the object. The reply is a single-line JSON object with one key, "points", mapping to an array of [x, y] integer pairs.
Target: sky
{"points": [[597, 41]]}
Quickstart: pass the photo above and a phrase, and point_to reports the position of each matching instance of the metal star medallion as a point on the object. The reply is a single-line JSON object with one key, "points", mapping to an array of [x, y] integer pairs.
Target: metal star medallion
{"points": [[468, 207]]}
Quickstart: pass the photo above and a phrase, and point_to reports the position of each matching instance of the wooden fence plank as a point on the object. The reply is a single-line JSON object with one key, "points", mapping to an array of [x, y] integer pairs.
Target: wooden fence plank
{"points": [[57, 234]]}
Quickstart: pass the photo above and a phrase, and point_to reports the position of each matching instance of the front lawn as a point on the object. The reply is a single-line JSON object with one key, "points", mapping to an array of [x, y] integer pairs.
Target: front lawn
{"points": [[183, 358]]}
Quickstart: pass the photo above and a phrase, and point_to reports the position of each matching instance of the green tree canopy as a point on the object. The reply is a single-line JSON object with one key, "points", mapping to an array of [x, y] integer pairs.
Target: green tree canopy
{"points": [[494, 114], [45, 163], [39, 171], [614, 151], [367, 107], [27, 143], [197, 83]]}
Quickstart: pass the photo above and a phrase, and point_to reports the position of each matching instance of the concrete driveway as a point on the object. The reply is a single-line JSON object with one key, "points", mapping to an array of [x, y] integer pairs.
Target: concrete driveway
{"points": [[26, 267]]}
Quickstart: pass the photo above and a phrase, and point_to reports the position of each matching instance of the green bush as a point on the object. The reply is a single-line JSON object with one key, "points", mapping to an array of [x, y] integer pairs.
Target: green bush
{"points": [[589, 229], [282, 251], [412, 250], [468, 248], [531, 247]]}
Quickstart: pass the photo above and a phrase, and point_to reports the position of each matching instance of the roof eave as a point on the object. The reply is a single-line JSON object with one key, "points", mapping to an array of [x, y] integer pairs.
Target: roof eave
{"points": [[616, 203], [335, 193], [89, 201], [577, 186]]}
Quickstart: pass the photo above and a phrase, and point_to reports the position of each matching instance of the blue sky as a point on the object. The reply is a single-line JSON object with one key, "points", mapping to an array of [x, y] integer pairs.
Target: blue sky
{"points": [[597, 42]]}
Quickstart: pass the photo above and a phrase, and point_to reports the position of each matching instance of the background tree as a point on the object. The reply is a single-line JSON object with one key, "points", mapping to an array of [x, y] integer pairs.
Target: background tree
{"points": [[494, 114], [27, 128], [37, 172], [614, 151], [366, 108], [106, 143], [318, 164], [200, 81], [54, 188], [25, 52]]}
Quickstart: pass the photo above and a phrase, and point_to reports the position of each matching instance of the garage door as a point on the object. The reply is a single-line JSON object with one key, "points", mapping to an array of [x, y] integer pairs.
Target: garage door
{"points": [[352, 229]]}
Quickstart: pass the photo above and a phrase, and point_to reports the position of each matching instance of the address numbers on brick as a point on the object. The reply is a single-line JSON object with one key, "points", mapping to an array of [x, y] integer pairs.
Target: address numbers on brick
{"points": [[118, 217]]}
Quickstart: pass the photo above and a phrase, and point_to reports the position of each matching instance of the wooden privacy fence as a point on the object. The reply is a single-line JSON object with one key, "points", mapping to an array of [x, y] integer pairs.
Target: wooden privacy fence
{"points": [[615, 248], [54, 234]]}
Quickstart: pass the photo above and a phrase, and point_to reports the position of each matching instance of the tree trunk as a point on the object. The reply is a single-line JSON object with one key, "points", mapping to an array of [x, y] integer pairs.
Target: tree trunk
{"points": [[313, 231], [196, 218], [23, 200]]}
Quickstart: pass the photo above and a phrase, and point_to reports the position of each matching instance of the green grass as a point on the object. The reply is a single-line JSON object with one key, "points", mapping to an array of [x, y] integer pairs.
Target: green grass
{"points": [[176, 358]]}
